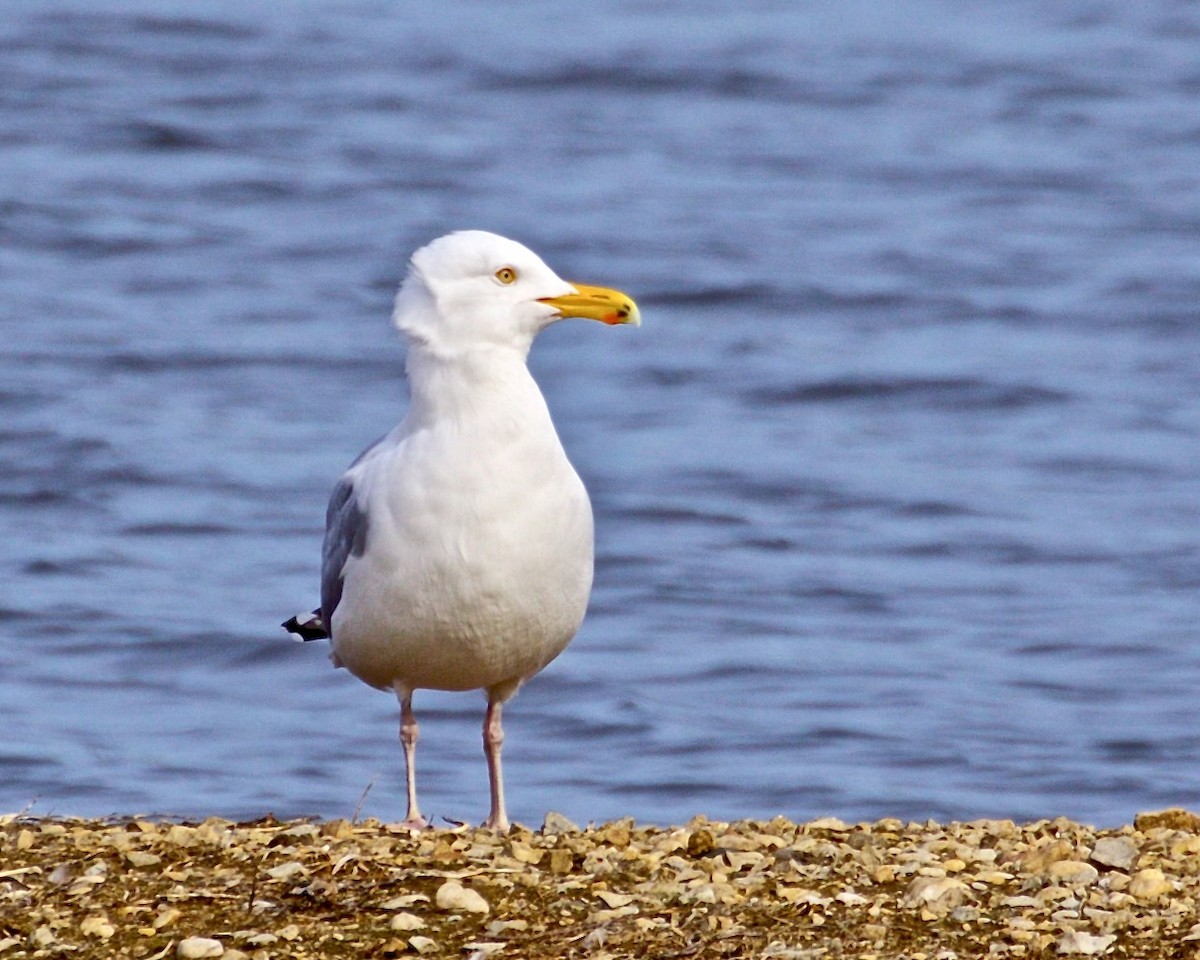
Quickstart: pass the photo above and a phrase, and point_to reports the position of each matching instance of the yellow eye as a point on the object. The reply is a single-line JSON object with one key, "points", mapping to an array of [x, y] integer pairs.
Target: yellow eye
{"points": [[506, 275]]}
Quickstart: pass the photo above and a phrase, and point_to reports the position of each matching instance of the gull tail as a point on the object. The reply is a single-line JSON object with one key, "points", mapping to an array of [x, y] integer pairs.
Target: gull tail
{"points": [[307, 626]]}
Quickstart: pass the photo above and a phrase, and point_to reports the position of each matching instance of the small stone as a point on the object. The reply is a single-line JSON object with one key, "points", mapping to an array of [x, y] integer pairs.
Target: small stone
{"points": [[1149, 884], [829, 823], [97, 927], [406, 922], [399, 903], [42, 936], [197, 948], [1116, 852], [524, 853], [422, 944], [180, 836], [452, 895], [1087, 944], [480, 949], [166, 916], [561, 861], [1072, 871], [700, 843], [497, 927], [938, 894], [1186, 846], [617, 833], [1038, 858], [1174, 818], [557, 823], [142, 858], [285, 871], [607, 916], [614, 900]]}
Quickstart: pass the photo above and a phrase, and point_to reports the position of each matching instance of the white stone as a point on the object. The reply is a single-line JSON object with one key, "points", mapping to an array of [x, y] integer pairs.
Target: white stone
{"points": [[452, 895], [557, 823], [615, 900], [830, 823], [399, 903], [197, 948], [481, 949], [97, 927], [1116, 852], [1088, 944], [285, 871]]}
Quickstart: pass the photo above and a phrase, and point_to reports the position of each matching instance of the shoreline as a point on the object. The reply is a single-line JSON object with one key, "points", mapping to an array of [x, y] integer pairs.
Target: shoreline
{"points": [[156, 889]]}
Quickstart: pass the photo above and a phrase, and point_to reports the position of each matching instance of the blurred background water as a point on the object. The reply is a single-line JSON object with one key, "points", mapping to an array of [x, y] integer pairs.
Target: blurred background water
{"points": [[897, 488]]}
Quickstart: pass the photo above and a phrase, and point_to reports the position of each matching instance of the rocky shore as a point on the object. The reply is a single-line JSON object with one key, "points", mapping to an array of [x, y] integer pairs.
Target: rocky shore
{"points": [[156, 890]]}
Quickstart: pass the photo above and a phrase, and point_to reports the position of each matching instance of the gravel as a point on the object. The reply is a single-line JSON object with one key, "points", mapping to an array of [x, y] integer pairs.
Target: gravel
{"points": [[154, 890]]}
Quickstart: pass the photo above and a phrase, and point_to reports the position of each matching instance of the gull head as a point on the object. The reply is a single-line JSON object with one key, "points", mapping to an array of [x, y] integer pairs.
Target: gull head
{"points": [[473, 289]]}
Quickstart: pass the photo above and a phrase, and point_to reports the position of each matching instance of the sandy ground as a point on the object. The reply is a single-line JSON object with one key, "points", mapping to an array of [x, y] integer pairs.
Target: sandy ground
{"points": [[775, 889]]}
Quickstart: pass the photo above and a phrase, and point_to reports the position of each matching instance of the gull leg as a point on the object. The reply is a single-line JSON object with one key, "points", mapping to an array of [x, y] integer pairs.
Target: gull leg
{"points": [[493, 740], [409, 731]]}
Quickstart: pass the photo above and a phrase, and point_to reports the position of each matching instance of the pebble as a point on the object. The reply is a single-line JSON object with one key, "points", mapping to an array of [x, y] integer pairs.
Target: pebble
{"points": [[97, 927], [1116, 852], [557, 823], [938, 894], [197, 948], [1072, 871], [452, 895], [1149, 884], [1085, 944], [1170, 819], [1037, 859]]}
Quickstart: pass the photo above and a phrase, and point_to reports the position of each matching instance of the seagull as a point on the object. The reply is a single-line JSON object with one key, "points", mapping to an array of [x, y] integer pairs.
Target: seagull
{"points": [[458, 549]]}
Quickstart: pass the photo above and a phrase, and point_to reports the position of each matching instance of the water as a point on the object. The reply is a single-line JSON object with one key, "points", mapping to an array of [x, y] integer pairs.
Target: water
{"points": [[897, 488]]}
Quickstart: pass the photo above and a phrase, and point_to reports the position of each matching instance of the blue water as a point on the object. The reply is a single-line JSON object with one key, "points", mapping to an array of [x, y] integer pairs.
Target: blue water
{"points": [[897, 489]]}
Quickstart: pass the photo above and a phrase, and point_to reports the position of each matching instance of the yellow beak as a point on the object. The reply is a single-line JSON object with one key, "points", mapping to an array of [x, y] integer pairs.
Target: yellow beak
{"points": [[596, 303]]}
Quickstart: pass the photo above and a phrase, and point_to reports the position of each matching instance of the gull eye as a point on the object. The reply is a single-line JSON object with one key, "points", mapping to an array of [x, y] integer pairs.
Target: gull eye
{"points": [[506, 275]]}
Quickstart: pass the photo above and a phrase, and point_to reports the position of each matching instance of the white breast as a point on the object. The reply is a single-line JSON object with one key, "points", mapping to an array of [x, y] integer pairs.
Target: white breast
{"points": [[478, 559]]}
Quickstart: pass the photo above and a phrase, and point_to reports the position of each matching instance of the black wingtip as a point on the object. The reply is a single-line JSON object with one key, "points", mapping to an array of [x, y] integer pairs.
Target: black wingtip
{"points": [[307, 626]]}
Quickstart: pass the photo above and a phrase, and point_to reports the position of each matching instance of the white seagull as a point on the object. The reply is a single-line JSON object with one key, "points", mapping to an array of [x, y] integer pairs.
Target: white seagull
{"points": [[458, 549]]}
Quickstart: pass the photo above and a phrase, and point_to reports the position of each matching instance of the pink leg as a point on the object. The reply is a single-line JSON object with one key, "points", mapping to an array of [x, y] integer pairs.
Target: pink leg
{"points": [[409, 731], [493, 740]]}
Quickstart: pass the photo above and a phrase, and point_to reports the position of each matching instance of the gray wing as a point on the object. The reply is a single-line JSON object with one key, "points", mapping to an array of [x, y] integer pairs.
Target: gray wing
{"points": [[345, 537]]}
